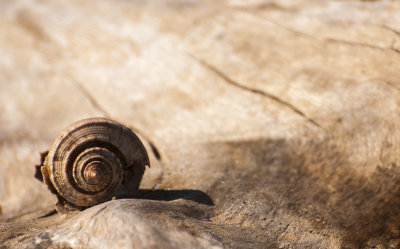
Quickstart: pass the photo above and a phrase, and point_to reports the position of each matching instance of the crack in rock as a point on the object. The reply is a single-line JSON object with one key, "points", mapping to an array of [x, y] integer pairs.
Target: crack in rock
{"points": [[236, 84]]}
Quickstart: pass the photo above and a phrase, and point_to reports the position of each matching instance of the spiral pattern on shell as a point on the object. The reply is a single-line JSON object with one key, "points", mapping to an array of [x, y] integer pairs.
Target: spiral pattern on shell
{"points": [[93, 160]]}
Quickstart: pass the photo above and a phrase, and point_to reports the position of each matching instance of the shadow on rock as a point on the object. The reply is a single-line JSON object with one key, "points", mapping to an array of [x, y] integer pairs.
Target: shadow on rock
{"points": [[267, 181], [170, 195]]}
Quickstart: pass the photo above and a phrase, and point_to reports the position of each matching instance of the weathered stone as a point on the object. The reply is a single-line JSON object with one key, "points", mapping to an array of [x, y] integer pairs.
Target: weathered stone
{"points": [[269, 124]]}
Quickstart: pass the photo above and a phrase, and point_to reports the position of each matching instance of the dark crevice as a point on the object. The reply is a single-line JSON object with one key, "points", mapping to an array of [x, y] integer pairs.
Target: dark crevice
{"points": [[255, 91], [38, 173], [155, 151], [170, 195], [51, 213], [98, 211]]}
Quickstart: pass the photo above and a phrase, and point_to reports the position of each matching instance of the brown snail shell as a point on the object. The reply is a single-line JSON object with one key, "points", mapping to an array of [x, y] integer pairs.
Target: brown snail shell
{"points": [[93, 160]]}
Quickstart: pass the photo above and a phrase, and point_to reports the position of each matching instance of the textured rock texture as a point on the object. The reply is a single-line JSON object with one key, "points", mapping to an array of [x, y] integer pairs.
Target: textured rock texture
{"points": [[270, 124]]}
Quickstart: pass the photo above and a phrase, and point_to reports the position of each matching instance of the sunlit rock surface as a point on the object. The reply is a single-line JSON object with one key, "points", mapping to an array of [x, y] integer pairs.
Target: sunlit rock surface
{"points": [[269, 124]]}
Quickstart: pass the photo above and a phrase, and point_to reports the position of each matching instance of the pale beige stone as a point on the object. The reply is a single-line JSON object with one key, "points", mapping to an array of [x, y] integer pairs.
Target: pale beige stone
{"points": [[276, 122]]}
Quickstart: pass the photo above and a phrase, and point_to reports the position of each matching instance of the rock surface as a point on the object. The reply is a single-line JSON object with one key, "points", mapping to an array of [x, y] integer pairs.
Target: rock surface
{"points": [[270, 124]]}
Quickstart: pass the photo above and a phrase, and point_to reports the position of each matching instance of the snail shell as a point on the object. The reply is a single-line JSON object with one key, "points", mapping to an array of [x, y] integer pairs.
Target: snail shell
{"points": [[93, 160]]}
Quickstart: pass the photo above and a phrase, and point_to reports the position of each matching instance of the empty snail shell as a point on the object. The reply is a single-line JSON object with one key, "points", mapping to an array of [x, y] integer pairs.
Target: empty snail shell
{"points": [[93, 160]]}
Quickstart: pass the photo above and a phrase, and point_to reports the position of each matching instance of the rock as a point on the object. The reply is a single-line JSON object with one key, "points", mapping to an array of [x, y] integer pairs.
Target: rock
{"points": [[140, 224], [269, 124]]}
